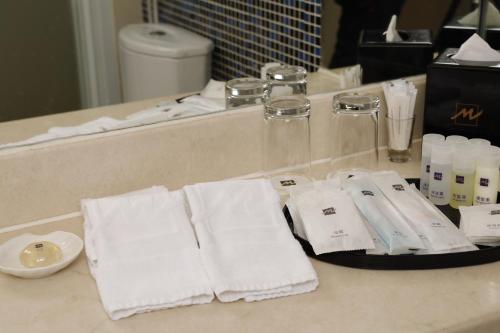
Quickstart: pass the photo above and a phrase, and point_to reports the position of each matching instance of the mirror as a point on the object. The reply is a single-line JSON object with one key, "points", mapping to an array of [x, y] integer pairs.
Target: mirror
{"points": [[56, 63]]}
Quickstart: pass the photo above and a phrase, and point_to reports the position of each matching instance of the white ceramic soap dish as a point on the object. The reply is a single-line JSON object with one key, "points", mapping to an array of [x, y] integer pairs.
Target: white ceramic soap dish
{"points": [[63, 248]]}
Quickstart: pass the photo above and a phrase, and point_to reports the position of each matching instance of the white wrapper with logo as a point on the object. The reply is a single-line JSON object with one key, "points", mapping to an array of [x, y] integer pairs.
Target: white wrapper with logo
{"points": [[330, 221], [389, 224], [436, 231], [481, 224]]}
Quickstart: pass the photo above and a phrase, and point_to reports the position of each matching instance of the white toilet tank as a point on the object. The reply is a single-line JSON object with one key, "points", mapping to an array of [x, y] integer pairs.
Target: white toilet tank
{"points": [[161, 60]]}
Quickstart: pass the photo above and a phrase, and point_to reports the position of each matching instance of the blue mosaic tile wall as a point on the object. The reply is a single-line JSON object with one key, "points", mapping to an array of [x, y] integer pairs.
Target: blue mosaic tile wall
{"points": [[249, 33]]}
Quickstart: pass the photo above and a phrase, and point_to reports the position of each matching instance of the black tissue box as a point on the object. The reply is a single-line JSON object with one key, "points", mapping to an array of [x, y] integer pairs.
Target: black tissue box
{"points": [[383, 61], [462, 99], [454, 34]]}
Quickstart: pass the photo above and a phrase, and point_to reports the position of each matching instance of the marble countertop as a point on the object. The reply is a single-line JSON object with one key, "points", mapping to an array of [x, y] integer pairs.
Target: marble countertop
{"points": [[347, 300]]}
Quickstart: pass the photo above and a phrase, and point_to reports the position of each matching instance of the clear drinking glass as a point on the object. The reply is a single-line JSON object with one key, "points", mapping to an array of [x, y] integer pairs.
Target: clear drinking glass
{"points": [[287, 159], [287, 80], [399, 138], [354, 132], [245, 91]]}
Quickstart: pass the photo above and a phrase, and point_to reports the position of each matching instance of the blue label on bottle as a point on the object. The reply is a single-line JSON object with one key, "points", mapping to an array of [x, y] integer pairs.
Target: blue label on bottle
{"points": [[438, 176], [484, 182]]}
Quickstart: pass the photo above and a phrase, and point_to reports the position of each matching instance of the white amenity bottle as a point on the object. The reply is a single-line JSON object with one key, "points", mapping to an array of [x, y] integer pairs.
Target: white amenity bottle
{"points": [[487, 176], [456, 139], [440, 173], [462, 176], [427, 141], [477, 142]]}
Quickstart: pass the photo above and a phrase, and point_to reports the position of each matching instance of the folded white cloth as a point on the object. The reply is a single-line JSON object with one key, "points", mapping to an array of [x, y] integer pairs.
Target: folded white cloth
{"points": [[143, 253], [246, 245]]}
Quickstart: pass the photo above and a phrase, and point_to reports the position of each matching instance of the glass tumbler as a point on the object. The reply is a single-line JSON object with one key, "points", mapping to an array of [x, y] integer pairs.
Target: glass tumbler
{"points": [[245, 91], [354, 132], [287, 159], [399, 137], [287, 80]]}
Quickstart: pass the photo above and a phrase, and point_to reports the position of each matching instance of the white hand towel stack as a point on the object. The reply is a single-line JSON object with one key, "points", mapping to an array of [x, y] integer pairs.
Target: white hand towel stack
{"points": [[246, 246], [143, 253]]}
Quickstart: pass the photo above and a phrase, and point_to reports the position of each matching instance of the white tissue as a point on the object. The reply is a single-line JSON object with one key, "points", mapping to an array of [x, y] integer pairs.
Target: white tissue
{"points": [[391, 34], [492, 17], [476, 49]]}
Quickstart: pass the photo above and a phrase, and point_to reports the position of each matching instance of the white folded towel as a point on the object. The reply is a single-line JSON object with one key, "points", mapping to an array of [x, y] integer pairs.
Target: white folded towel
{"points": [[143, 253], [246, 245]]}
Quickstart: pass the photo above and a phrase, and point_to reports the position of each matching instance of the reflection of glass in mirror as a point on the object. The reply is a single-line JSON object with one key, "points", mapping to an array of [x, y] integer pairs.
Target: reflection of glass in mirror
{"points": [[287, 80], [245, 91]]}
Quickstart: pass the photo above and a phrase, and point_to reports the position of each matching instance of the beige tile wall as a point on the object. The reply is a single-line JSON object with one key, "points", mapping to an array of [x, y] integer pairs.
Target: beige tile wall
{"points": [[50, 179]]}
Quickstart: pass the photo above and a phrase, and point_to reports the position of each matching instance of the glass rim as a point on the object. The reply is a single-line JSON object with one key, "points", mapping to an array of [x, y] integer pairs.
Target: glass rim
{"points": [[366, 103], [286, 73], [247, 86], [287, 106]]}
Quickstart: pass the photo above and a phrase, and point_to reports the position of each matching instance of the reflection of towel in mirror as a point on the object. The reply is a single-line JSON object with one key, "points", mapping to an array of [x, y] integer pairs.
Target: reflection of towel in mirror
{"points": [[211, 99], [95, 126], [492, 17]]}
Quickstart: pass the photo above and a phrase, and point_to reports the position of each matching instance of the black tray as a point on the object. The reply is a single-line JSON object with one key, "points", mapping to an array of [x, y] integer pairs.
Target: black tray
{"points": [[359, 259]]}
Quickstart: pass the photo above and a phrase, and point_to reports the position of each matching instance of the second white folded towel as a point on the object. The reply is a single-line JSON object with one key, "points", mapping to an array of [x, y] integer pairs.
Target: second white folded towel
{"points": [[246, 245], [143, 253]]}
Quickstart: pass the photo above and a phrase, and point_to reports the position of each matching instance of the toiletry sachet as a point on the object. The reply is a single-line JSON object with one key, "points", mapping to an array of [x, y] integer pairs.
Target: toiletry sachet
{"points": [[331, 221], [389, 224], [144, 253], [481, 223], [436, 231], [431, 206], [246, 245]]}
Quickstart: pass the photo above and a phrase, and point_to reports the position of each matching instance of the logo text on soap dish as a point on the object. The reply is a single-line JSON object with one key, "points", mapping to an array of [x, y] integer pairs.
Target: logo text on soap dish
{"points": [[289, 182]]}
